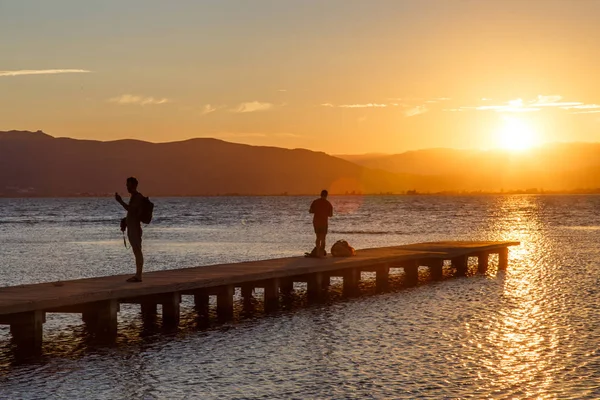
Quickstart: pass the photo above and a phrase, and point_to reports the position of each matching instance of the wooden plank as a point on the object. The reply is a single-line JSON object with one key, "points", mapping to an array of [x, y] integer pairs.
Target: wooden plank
{"points": [[52, 295]]}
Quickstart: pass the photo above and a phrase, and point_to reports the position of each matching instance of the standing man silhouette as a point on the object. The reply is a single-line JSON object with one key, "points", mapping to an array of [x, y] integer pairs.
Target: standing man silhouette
{"points": [[134, 225], [322, 210]]}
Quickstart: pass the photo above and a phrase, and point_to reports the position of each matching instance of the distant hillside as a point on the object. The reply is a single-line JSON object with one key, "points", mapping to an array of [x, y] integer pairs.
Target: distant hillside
{"points": [[36, 164], [558, 166]]}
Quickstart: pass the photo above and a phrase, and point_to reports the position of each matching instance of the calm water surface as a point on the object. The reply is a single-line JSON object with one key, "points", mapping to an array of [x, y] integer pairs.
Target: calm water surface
{"points": [[530, 332]]}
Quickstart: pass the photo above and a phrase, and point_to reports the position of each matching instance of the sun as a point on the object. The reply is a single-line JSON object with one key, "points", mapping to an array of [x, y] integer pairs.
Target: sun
{"points": [[516, 135]]}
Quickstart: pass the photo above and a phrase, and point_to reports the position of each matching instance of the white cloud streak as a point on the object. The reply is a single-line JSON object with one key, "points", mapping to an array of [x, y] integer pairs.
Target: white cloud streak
{"points": [[418, 110], [207, 109], [409, 110], [581, 106], [367, 105], [538, 104], [438, 100], [504, 108], [253, 106], [42, 72], [129, 99], [587, 112]]}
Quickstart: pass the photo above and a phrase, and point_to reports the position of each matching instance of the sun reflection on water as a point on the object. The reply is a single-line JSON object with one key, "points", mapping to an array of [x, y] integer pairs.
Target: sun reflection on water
{"points": [[522, 335]]}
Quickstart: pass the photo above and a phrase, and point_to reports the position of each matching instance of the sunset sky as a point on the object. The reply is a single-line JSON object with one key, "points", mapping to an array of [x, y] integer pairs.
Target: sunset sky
{"points": [[341, 76]]}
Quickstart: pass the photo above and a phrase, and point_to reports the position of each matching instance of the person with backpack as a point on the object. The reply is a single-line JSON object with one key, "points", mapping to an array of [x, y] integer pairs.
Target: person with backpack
{"points": [[321, 209], [139, 209]]}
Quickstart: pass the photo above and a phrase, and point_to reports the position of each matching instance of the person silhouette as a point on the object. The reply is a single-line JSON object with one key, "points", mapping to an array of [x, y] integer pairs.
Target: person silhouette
{"points": [[322, 210], [134, 225]]}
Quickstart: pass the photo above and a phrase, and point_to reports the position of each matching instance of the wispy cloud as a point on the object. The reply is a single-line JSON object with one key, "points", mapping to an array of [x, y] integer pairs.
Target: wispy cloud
{"points": [[587, 112], [410, 106], [411, 112], [129, 99], [581, 106], [367, 105], [540, 103], [253, 106], [207, 109], [364, 105], [42, 72], [438, 100]]}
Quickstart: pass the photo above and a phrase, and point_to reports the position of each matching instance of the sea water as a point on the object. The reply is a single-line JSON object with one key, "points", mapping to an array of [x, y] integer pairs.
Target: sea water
{"points": [[530, 332]]}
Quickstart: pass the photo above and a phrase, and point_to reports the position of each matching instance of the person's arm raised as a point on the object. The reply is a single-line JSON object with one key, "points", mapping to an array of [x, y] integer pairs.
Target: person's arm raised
{"points": [[121, 202]]}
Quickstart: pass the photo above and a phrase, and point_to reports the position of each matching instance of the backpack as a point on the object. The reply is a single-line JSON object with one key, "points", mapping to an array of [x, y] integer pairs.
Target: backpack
{"points": [[341, 248], [147, 210]]}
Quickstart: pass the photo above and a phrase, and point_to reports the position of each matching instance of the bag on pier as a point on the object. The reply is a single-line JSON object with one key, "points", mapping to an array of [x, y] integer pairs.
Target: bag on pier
{"points": [[341, 248]]}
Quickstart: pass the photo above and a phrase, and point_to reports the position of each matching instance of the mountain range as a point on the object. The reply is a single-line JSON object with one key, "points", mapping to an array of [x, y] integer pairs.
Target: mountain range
{"points": [[37, 164]]}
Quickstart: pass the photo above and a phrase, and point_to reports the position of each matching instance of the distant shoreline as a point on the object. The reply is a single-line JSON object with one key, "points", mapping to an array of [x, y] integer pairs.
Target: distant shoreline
{"points": [[230, 195]]}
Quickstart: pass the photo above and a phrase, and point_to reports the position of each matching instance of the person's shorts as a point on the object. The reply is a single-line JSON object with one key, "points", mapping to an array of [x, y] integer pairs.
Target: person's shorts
{"points": [[135, 238], [321, 230]]}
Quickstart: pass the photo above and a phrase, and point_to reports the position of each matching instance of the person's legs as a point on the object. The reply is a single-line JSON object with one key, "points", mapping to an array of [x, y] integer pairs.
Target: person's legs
{"points": [[139, 260], [321, 232], [135, 240], [318, 237]]}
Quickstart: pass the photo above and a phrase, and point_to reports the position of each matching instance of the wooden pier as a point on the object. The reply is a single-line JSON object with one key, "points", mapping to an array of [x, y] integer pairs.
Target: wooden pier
{"points": [[24, 307]]}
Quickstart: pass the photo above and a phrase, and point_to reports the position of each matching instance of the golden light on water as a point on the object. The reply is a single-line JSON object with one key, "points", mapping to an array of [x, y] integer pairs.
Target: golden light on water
{"points": [[524, 333]]}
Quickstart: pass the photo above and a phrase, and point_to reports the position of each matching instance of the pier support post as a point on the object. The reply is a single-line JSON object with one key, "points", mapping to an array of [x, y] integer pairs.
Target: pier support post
{"points": [[482, 262], [247, 296], [27, 331], [382, 278], [225, 303], [460, 264], [503, 259], [286, 286], [411, 272], [325, 281], [149, 311], [351, 278], [101, 317], [201, 301], [271, 295], [201, 304], [436, 269], [170, 309], [247, 291], [314, 286]]}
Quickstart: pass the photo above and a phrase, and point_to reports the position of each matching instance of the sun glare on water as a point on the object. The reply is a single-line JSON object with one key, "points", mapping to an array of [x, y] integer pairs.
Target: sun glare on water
{"points": [[516, 135]]}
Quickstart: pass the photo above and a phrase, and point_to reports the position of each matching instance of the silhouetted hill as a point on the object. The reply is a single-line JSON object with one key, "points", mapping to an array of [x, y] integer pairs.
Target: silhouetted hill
{"points": [[557, 166], [36, 164]]}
